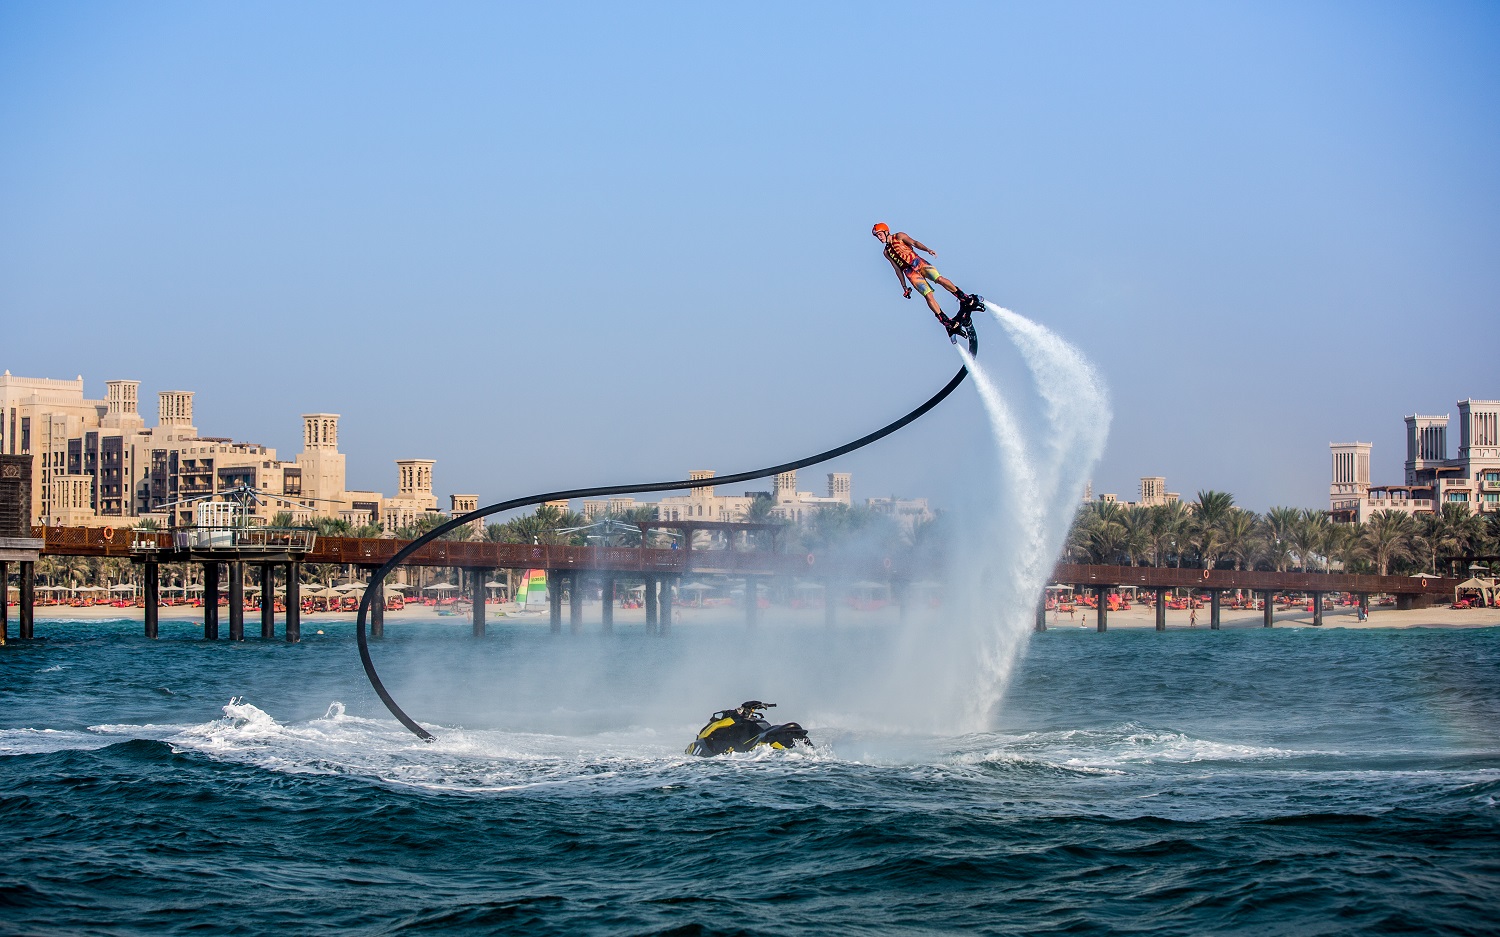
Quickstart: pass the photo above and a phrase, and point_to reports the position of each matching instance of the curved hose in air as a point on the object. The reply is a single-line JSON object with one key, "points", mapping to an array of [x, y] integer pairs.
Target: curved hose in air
{"points": [[379, 577]]}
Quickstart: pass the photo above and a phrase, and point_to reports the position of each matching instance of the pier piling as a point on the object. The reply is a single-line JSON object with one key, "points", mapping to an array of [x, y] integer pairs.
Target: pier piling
{"points": [[267, 603], [1161, 609], [1041, 615], [210, 601], [26, 612], [4, 602], [607, 603], [377, 611], [1317, 604], [153, 597], [554, 599], [664, 626], [1102, 611], [236, 600], [650, 602], [293, 603], [1213, 608], [476, 592], [575, 603], [1268, 610]]}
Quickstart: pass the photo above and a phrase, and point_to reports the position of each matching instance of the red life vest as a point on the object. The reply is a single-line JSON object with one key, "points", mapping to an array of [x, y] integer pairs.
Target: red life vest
{"points": [[901, 252]]}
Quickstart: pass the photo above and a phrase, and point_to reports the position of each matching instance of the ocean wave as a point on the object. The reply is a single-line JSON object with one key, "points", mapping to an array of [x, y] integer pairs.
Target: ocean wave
{"points": [[46, 741]]}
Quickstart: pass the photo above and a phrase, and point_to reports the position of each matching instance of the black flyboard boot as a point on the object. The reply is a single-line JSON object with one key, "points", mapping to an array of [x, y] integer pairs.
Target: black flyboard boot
{"points": [[962, 325]]}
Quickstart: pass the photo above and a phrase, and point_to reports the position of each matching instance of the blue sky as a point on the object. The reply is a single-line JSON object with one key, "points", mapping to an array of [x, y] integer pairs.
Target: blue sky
{"points": [[552, 245]]}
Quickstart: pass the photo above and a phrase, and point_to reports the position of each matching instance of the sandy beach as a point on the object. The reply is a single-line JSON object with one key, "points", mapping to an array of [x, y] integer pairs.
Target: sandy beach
{"points": [[1139, 616]]}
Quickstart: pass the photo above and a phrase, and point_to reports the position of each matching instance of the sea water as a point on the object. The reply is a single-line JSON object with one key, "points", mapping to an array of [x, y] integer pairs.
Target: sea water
{"points": [[1293, 780]]}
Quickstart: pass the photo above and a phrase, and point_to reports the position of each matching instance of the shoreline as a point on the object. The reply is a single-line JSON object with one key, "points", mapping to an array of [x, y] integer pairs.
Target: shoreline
{"points": [[1138, 617]]}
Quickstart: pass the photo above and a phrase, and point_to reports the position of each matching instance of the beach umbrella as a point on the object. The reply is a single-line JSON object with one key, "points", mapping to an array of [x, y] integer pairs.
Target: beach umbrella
{"points": [[696, 587], [122, 587], [493, 584], [441, 587]]}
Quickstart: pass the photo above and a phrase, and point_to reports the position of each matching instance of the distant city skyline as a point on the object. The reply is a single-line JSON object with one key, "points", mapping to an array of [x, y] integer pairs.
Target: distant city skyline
{"points": [[630, 244]]}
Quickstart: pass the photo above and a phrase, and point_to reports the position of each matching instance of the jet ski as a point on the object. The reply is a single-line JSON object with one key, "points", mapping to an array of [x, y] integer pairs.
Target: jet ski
{"points": [[743, 730]]}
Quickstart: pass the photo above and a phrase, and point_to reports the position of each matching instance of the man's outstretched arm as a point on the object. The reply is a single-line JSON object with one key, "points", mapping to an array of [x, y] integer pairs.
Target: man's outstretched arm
{"points": [[919, 245]]}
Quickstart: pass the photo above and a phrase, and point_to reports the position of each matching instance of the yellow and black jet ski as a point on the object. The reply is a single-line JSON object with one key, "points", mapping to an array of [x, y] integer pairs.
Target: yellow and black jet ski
{"points": [[743, 730]]}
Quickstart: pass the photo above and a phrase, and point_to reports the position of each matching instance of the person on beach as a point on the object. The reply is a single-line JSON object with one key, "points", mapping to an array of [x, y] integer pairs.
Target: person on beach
{"points": [[914, 271]]}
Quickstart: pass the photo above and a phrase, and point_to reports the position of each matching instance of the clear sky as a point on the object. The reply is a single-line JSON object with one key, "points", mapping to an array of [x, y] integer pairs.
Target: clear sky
{"points": [[555, 244]]}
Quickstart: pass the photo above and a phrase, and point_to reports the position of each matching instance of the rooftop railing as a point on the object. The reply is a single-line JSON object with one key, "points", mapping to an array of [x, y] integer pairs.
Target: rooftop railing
{"points": [[247, 539]]}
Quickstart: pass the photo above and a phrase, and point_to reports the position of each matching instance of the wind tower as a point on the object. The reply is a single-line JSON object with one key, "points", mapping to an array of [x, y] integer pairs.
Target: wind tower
{"points": [[321, 462], [174, 414]]}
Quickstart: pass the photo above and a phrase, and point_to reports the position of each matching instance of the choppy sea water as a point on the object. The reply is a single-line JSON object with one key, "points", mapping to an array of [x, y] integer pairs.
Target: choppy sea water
{"points": [[1284, 781]]}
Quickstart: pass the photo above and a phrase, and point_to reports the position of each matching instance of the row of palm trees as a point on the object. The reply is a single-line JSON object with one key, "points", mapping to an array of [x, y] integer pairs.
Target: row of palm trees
{"points": [[1212, 532]]}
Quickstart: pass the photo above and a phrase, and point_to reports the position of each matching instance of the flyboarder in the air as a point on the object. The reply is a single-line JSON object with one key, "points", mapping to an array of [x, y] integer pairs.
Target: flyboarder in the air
{"points": [[912, 270]]}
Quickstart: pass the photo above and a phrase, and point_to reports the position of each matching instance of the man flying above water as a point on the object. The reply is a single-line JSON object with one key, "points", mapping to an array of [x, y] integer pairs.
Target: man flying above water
{"points": [[912, 270]]}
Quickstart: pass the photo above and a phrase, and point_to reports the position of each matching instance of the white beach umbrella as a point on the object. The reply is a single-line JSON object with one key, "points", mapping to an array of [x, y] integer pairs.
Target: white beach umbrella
{"points": [[441, 587], [122, 587]]}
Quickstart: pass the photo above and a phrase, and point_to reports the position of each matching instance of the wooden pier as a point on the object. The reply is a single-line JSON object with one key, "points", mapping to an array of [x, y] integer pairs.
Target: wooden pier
{"points": [[227, 555]]}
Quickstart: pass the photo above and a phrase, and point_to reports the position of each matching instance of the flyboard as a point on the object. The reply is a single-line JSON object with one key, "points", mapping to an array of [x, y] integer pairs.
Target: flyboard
{"points": [[961, 326]]}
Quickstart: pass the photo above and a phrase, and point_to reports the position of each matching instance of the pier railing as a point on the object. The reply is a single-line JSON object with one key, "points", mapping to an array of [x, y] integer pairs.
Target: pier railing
{"points": [[302, 542]]}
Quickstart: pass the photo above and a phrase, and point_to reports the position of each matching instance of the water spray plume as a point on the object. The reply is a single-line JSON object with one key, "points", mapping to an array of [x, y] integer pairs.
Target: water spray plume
{"points": [[1044, 464]]}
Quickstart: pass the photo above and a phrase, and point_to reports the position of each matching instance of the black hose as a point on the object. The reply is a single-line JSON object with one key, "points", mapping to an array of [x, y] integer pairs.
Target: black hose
{"points": [[431, 535]]}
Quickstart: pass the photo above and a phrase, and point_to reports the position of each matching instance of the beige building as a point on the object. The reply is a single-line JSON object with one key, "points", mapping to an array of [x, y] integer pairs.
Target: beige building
{"points": [[908, 512], [799, 506], [414, 498], [96, 463], [703, 504], [1432, 477]]}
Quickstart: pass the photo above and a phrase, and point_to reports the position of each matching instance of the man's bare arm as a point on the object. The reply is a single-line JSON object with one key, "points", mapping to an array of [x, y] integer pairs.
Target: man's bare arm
{"points": [[919, 245]]}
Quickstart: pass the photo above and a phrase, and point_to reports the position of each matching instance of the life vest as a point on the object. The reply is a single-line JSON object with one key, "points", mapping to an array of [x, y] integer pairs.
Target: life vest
{"points": [[901, 252]]}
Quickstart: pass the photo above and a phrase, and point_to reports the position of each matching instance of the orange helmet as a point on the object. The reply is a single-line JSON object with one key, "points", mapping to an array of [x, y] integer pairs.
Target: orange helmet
{"points": [[881, 228]]}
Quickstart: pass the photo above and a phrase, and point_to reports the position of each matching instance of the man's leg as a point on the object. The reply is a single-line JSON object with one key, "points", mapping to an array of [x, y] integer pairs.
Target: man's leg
{"points": [[920, 284]]}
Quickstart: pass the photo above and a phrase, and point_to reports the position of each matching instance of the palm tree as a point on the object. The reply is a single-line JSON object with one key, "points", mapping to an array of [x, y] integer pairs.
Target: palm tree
{"points": [[332, 526], [1213, 507], [1174, 524], [1239, 531], [1345, 543], [1136, 523], [1277, 527], [1309, 537], [1388, 536]]}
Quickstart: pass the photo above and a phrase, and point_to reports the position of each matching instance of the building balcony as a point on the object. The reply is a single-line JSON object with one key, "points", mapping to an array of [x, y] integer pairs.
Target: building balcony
{"points": [[1488, 485]]}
